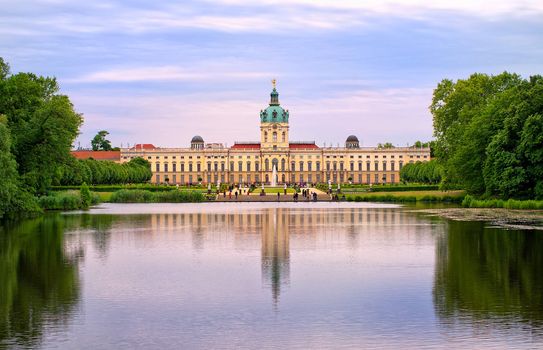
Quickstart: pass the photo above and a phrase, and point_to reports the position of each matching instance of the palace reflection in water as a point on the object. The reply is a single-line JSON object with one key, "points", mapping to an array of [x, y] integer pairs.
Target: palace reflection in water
{"points": [[184, 272]]}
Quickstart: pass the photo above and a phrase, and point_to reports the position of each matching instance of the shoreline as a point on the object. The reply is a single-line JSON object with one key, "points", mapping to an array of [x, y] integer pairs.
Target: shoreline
{"points": [[505, 218]]}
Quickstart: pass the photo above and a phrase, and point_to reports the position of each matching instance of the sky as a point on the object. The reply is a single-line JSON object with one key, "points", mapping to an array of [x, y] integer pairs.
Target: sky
{"points": [[163, 71]]}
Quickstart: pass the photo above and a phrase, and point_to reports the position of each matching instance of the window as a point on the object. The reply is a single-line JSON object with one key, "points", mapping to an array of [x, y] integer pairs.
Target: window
{"points": [[283, 139], [256, 166], [208, 166], [301, 166], [174, 166], [267, 165], [292, 167], [352, 166], [190, 167], [240, 166], [157, 167], [182, 167], [401, 165], [393, 178], [318, 167], [248, 166], [360, 168], [368, 178], [158, 179], [216, 166], [309, 167], [368, 167], [283, 165], [232, 167], [265, 137], [198, 167], [327, 166], [384, 166], [376, 166], [392, 166], [376, 178], [274, 136], [222, 167]]}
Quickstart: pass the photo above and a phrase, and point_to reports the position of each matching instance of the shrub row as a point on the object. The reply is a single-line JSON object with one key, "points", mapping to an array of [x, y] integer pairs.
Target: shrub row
{"points": [[78, 171], [144, 196], [113, 188], [67, 200], [471, 202], [400, 199]]}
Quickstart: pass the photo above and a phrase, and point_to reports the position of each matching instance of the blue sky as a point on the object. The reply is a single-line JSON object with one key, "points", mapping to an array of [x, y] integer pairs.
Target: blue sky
{"points": [[161, 72]]}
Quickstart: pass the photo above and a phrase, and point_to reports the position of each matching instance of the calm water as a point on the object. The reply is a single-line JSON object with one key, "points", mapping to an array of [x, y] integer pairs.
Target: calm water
{"points": [[260, 275]]}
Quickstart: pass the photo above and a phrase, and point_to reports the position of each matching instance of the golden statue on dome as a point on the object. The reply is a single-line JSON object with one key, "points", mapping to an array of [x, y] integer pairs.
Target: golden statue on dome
{"points": [[274, 82]]}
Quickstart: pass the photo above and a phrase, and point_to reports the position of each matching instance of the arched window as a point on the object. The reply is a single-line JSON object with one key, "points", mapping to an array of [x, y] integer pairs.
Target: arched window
{"points": [[274, 136], [267, 166], [275, 163], [283, 137], [283, 178], [283, 165]]}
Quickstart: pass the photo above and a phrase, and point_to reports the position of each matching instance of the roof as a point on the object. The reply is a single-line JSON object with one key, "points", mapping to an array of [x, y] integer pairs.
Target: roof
{"points": [[303, 145], [352, 138], [197, 138], [98, 155], [143, 146], [246, 146]]}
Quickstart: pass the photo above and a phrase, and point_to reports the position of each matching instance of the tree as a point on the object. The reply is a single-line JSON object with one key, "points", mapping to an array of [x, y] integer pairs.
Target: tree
{"points": [[100, 143], [385, 145], [487, 133], [86, 197], [8, 171], [42, 124]]}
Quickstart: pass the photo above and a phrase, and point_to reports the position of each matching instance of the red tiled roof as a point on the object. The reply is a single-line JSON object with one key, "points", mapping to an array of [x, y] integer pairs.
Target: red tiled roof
{"points": [[143, 146], [303, 145], [98, 155], [246, 146]]}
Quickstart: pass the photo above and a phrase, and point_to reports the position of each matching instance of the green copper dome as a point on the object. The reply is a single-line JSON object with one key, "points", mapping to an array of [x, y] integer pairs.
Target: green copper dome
{"points": [[274, 113]]}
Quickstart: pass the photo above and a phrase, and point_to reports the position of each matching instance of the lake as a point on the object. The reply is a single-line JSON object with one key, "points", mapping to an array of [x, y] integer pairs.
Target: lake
{"points": [[268, 275]]}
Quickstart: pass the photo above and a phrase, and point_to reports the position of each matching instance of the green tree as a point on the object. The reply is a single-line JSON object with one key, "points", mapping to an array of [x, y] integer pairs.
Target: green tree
{"points": [[86, 197], [42, 124], [8, 171], [100, 143], [386, 145], [476, 125]]}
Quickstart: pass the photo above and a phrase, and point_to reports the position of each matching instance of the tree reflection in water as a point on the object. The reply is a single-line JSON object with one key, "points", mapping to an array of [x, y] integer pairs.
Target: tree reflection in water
{"points": [[484, 273], [39, 280]]}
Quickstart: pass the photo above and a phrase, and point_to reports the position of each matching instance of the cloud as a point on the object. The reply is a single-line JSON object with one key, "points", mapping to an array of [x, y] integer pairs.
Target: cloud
{"points": [[395, 115], [234, 16], [164, 73]]}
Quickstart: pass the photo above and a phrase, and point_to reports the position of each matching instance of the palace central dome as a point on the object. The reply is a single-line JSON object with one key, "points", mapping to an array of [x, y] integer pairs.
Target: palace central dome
{"points": [[274, 113]]}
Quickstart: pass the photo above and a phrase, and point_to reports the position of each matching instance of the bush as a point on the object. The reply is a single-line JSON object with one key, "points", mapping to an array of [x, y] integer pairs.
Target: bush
{"points": [[67, 200], [85, 194], [471, 202], [143, 196]]}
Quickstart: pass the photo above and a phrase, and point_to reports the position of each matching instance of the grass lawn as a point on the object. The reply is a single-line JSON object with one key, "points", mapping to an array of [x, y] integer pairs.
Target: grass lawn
{"points": [[104, 196], [272, 190], [407, 196]]}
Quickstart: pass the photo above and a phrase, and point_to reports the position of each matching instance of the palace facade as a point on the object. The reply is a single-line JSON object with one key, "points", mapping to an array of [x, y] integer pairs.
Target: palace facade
{"points": [[294, 161]]}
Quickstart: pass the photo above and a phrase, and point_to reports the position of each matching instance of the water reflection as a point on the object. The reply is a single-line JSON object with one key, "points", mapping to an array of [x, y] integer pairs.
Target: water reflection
{"points": [[488, 273], [265, 277], [39, 281], [275, 250], [313, 227]]}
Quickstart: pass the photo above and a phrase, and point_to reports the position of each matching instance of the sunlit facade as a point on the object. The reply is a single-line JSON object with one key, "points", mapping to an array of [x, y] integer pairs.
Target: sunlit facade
{"points": [[294, 161]]}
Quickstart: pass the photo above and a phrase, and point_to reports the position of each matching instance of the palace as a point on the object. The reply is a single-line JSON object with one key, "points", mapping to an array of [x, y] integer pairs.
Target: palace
{"points": [[275, 155]]}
